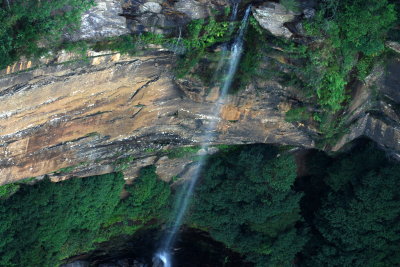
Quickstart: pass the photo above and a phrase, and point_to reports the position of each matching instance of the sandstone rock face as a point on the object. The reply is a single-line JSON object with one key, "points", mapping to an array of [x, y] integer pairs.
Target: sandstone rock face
{"points": [[85, 115], [102, 20], [375, 109], [272, 17]]}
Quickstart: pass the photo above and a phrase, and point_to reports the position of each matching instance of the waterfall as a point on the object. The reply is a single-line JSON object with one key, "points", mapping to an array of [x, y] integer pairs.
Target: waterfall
{"points": [[224, 50], [177, 42], [234, 11], [163, 257]]}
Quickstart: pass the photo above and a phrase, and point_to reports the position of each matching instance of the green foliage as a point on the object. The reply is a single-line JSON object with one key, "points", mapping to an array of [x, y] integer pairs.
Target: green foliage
{"points": [[200, 35], [66, 169], [349, 38], [252, 57], [29, 28], [123, 163], [152, 38], [48, 228], [297, 114], [291, 5], [331, 92], [331, 127], [364, 67], [245, 200], [7, 190], [358, 222], [55, 221], [352, 29], [124, 44], [227, 148], [80, 47], [280, 173], [181, 152], [148, 195], [365, 29]]}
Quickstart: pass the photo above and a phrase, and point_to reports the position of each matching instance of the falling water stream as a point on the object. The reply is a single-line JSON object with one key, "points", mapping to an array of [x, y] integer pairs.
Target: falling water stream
{"points": [[177, 42], [224, 51], [163, 255]]}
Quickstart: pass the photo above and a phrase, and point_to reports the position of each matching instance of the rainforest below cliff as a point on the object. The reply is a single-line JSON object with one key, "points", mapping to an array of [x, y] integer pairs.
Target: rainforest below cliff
{"points": [[254, 206], [248, 133]]}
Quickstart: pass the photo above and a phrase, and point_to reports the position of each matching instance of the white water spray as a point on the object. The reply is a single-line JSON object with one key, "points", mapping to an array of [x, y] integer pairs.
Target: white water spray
{"points": [[163, 256]]}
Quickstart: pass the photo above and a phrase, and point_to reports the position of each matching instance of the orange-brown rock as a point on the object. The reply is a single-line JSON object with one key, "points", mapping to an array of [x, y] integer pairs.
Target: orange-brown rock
{"points": [[83, 113]]}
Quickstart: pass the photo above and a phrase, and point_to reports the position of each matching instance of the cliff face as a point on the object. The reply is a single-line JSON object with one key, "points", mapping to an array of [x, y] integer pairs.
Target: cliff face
{"points": [[76, 118], [375, 109], [88, 114]]}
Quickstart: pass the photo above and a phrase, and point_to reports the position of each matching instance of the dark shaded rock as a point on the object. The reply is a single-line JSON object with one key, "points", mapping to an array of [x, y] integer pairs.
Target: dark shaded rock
{"points": [[375, 109], [391, 84], [77, 264]]}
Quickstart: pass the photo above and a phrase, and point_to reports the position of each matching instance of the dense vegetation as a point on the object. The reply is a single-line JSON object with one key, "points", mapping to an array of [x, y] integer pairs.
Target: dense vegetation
{"points": [[351, 205], [338, 48], [246, 201], [344, 212], [47, 222], [30, 28], [352, 36], [201, 35], [356, 221], [346, 39]]}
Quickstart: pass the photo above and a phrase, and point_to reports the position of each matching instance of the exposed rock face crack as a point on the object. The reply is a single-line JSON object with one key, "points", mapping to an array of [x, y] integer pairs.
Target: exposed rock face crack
{"points": [[144, 86]]}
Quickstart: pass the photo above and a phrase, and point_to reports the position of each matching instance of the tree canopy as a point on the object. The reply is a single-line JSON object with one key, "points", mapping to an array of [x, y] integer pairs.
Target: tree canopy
{"points": [[47, 222], [245, 200], [358, 223]]}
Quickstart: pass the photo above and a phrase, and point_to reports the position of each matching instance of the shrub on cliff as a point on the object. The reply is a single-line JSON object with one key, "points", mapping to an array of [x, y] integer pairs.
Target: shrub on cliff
{"points": [[28, 28], [350, 29]]}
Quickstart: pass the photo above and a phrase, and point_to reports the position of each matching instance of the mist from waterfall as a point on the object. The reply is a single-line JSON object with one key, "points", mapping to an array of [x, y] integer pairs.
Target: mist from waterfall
{"points": [[163, 256]]}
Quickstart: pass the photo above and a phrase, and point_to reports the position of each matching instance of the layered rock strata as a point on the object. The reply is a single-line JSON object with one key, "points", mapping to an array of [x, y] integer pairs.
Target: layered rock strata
{"points": [[88, 114]]}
